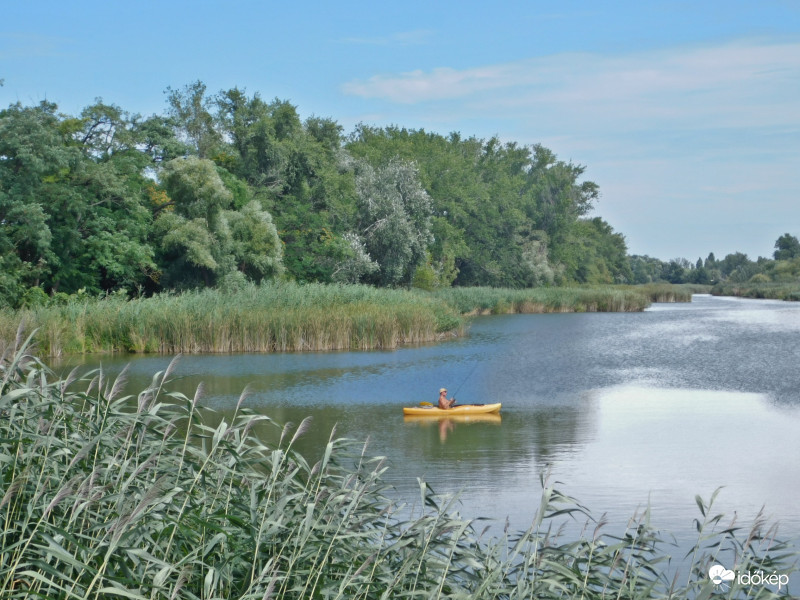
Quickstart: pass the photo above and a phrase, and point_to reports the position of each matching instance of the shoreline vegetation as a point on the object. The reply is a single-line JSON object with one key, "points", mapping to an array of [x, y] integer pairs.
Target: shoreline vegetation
{"points": [[288, 317], [105, 494], [789, 291]]}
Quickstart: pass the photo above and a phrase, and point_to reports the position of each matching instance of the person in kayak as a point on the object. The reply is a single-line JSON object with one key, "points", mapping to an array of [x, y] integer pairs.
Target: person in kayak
{"points": [[444, 403]]}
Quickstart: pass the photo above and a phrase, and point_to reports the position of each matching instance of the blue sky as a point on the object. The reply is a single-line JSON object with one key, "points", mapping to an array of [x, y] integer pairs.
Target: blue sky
{"points": [[687, 114]]}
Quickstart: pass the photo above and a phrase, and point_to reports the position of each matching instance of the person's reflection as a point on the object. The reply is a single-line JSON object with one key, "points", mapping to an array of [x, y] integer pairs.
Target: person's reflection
{"points": [[445, 427]]}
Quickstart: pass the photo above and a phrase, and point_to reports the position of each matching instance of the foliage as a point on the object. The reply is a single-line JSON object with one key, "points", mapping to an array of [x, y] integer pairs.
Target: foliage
{"points": [[787, 247], [105, 495], [72, 202], [226, 188], [393, 220], [203, 240], [391, 207]]}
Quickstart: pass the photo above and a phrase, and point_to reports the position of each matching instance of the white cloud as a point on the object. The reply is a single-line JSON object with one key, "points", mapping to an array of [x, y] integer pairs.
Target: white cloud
{"points": [[744, 83], [694, 148]]}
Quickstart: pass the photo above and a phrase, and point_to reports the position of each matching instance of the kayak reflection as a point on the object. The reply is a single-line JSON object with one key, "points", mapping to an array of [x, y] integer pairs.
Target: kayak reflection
{"points": [[447, 423]]}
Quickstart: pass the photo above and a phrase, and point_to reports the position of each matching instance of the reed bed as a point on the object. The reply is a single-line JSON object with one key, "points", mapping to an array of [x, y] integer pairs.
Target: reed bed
{"points": [[287, 317], [281, 317], [484, 300], [789, 291], [107, 495], [670, 292]]}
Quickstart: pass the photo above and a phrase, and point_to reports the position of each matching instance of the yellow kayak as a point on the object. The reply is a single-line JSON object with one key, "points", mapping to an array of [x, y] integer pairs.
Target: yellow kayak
{"points": [[462, 409], [462, 418]]}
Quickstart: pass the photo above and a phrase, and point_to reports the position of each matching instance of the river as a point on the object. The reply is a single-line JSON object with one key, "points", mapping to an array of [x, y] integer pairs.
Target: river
{"points": [[623, 409]]}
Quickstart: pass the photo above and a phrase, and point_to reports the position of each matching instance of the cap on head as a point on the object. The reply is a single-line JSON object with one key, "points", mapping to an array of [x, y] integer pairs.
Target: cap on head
{"points": [[443, 391]]}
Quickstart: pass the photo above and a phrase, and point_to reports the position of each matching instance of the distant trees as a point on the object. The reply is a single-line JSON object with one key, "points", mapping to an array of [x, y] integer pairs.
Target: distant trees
{"points": [[736, 267], [787, 247], [73, 201], [502, 214]]}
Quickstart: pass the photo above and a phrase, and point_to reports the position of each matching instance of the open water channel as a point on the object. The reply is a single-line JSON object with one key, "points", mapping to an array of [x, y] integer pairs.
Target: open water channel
{"points": [[621, 408]]}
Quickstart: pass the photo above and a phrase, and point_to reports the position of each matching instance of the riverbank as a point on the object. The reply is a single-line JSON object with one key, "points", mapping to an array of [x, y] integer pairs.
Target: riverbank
{"points": [[281, 317], [128, 493], [288, 317], [611, 298], [776, 291]]}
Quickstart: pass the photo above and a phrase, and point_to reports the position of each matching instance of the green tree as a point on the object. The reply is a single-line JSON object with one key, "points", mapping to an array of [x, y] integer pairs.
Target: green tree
{"points": [[787, 247], [255, 244], [72, 200], [394, 219], [190, 111], [203, 240], [299, 173]]}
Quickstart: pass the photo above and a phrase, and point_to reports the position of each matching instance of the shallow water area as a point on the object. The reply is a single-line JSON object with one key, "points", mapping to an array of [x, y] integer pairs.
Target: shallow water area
{"points": [[623, 409]]}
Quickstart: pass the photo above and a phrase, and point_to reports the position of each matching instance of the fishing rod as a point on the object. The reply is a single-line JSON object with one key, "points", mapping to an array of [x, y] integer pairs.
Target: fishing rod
{"points": [[474, 368]]}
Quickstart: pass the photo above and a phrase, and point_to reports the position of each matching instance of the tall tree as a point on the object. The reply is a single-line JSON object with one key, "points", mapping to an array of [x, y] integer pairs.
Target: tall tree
{"points": [[787, 247], [190, 110], [394, 219], [203, 240]]}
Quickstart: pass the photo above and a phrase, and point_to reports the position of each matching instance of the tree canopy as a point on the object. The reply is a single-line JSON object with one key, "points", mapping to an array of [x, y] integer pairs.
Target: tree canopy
{"points": [[227, 187]]}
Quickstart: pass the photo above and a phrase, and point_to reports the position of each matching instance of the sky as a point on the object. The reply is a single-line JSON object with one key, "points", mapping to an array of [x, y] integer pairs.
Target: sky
{"points": [[686, 114]]}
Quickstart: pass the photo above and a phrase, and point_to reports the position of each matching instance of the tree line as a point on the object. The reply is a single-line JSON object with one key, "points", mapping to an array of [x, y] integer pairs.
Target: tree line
{"points": [[226, 188], [737, 267]]}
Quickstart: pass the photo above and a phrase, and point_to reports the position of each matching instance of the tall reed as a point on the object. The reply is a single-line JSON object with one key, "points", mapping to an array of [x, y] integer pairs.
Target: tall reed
{"points": [[773, 290], [274, 317], [484, 300], [106, 495]]}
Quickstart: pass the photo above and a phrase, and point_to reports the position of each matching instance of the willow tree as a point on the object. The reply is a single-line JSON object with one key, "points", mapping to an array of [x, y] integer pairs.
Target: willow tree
{"points": [[394, 220], [203, 239]]}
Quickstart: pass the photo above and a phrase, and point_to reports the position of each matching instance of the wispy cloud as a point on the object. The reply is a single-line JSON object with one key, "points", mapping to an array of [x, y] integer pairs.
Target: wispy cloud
{"points": [[416, 37], [708, 131], [25, 45], [733, 84]]}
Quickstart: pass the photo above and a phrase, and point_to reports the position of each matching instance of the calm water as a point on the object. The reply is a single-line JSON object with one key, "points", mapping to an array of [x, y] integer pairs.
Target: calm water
{"points": [[621, 409]]}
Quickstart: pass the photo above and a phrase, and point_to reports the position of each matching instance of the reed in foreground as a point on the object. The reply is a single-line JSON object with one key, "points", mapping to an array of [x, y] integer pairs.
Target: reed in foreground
{"points": [[110, 496]]}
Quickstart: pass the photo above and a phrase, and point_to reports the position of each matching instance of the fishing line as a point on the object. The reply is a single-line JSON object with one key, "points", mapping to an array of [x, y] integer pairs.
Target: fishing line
{"points": [[466, 378]]}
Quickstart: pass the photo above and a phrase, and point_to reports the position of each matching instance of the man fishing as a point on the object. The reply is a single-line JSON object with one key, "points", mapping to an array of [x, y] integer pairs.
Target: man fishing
{"points": [[444, 403]]}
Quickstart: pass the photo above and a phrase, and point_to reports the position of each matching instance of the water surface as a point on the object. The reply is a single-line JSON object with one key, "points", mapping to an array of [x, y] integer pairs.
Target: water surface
{"points": [[622, 408]]}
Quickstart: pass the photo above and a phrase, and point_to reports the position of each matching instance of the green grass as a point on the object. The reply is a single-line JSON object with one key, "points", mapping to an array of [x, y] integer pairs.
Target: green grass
{"points": [[107, 495], [775, 290], [287, 317], [270, 318], [611, 298]]}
